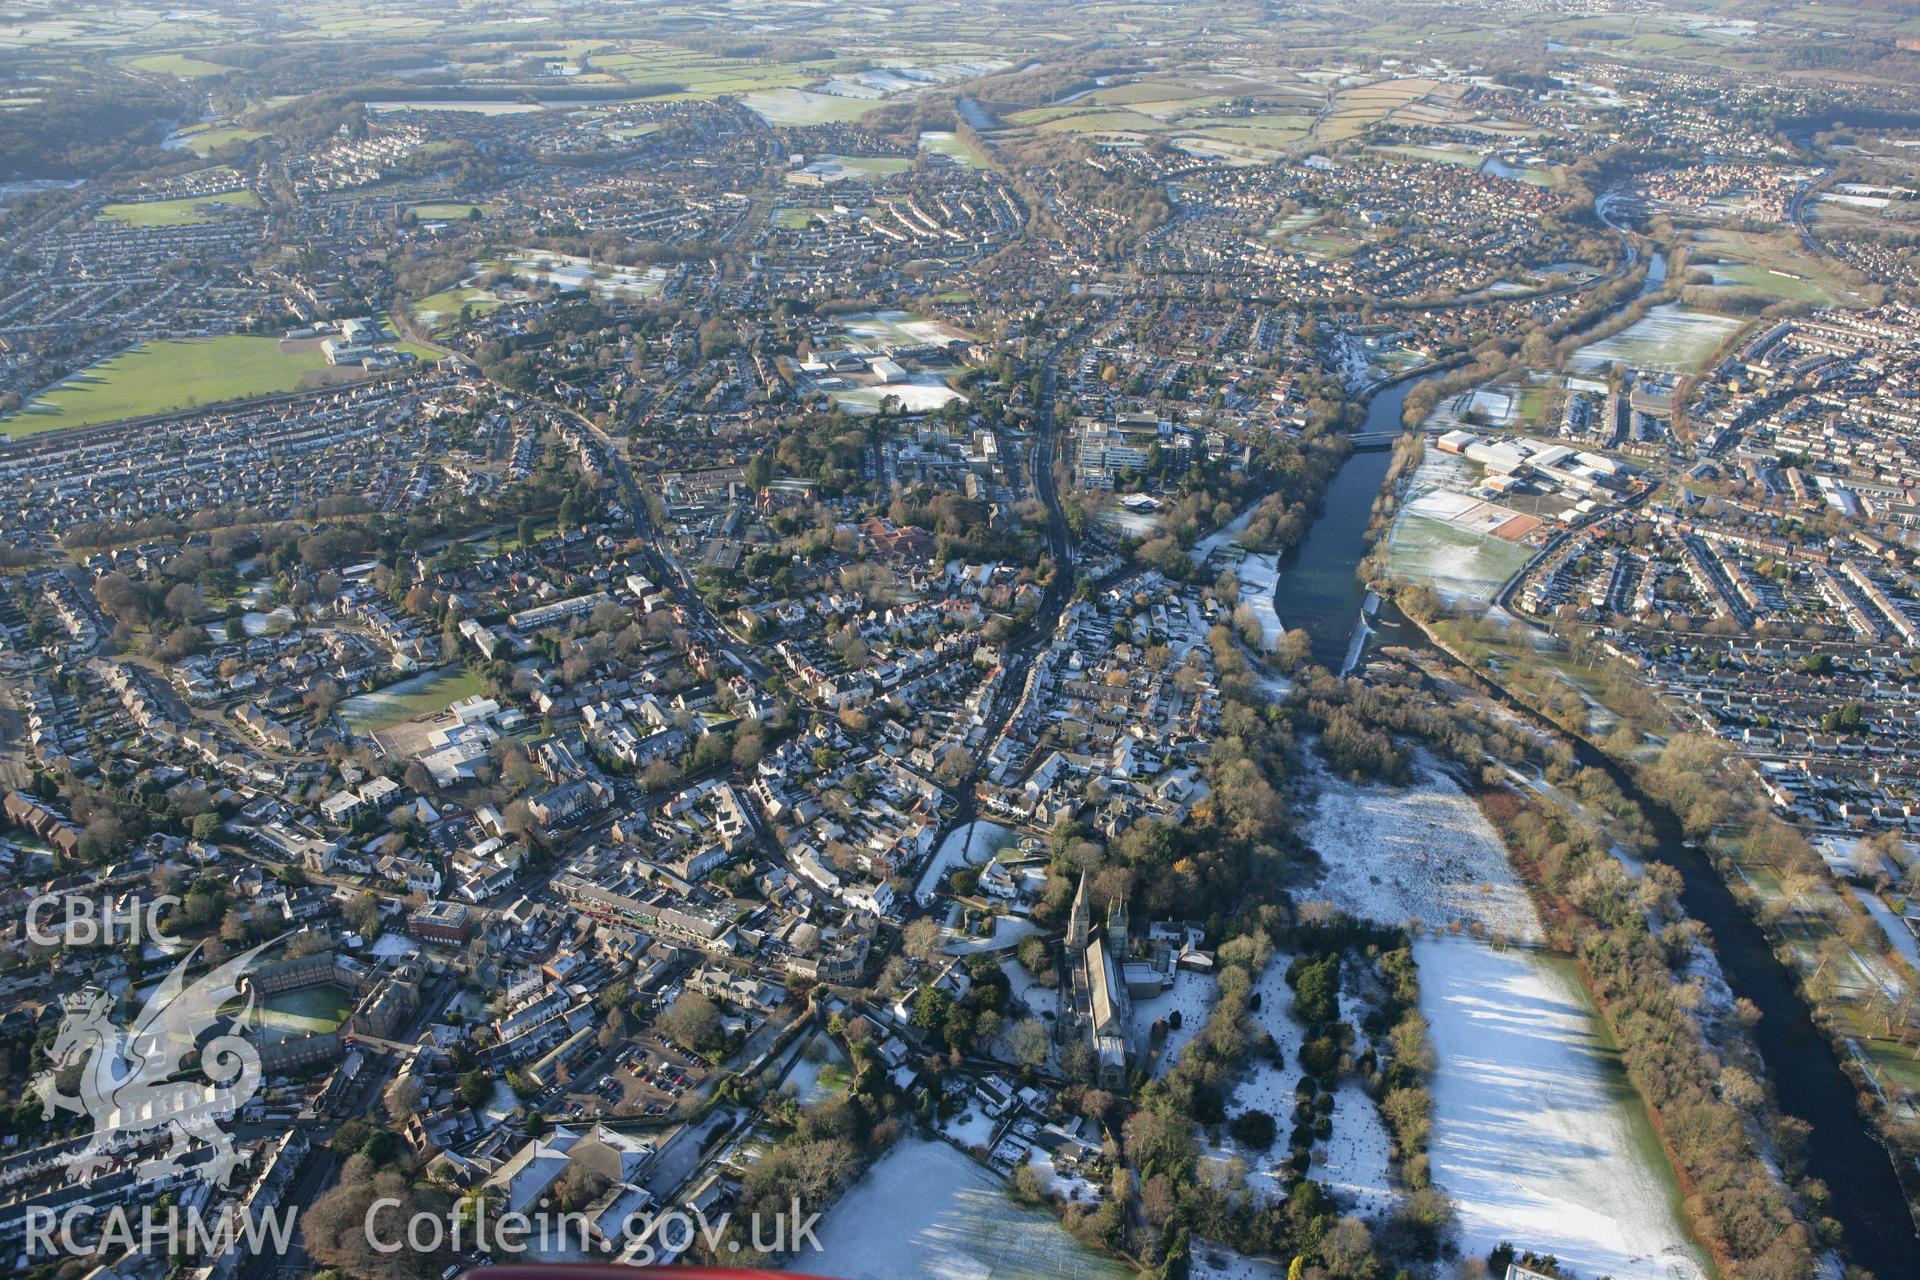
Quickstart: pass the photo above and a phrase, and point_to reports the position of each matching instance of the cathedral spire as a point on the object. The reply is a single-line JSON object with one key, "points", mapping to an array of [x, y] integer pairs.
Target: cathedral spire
{"points": [[1080, 923]]}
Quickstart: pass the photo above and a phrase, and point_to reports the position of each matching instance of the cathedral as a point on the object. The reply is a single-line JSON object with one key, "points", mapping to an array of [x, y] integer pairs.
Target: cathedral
{"points": [[1101, 999]]}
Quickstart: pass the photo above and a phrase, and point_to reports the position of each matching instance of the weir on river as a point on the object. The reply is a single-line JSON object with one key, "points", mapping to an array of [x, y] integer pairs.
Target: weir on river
{"points": [[1319, 588]]}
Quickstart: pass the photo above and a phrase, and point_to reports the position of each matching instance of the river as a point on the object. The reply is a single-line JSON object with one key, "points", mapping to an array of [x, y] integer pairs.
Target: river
{"points": [[978, 114], [1319, 589], [1808, 1082]]}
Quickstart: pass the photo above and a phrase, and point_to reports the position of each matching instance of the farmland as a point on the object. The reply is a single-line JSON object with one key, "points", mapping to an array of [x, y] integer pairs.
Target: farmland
{"points": [[797, 106]]}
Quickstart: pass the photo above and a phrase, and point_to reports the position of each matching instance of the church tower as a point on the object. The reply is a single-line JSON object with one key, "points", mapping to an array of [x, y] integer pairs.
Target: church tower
{"points": [[1117, 930], [1081, 921]]}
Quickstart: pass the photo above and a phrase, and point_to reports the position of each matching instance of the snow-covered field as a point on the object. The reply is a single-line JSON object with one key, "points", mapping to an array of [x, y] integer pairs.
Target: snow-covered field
{"points": [[970, 1128], [1059, 1184], [1896, 930], [1258, 576], [1007, 932], [1225, 534], [919, 393], [254, 623], [394, 946], [1193, 994], [1425, 850], [1215, 1262], [1353, 1161], [1042, 1000], [1431, 543], [570, 271], [1498, 406], [1258, 573], [802, 107], [927, 1212], [899, 327], [1458, 563], [1266, 1087], [968, 845], [804, 1082], [1134, 524], [1537, 1137], [1670, 337]]}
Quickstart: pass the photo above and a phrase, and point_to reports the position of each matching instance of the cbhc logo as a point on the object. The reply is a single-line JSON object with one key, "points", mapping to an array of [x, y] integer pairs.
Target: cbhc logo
{"points": [[76, 920]]}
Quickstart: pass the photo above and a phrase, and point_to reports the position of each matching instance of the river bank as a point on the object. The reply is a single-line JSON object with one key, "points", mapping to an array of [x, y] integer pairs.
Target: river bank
{"points": [[1805, 1068], [1320, 588], [1538, 1137]]}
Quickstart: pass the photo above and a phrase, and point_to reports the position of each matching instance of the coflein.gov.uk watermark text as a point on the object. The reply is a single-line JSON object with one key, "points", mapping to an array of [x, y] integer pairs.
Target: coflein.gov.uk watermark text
{"points": [[643, 1237]]}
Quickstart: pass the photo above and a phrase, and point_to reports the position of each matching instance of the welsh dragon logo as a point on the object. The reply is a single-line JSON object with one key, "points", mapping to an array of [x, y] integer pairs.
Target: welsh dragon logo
{"points": [[135, 1082]]}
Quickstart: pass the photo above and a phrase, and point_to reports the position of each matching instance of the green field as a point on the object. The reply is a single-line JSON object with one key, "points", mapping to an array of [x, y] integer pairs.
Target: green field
{"points": [[1456, 562], [1276, 131], [1438, 155], [954, 146], [175, 213], [1327, 244], [439, 310], [1241, 141], [1758, 279], [452, 212], [428, 693], [425, 355], [205, 140], [177, 64], [700, 74], [390, 336], [158, 377], [1745, 260], [304, 1011], [1098, 120], [1141, 92], [798, 106]]}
